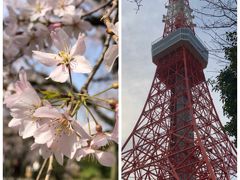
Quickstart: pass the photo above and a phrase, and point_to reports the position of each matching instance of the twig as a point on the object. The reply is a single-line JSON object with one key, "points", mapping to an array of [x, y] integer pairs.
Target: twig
{"points": [[97, 9], [70, 76], [50, 168], [94, 119], [97, 65], [106, 45], [41, 170]]}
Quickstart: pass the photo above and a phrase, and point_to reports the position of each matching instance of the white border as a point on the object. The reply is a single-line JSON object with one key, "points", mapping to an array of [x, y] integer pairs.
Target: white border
{"points": [[120, 89], [1, 91]]}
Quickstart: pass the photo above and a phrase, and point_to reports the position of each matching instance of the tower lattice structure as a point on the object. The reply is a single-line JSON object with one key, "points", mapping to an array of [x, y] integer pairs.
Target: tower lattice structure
{"points": [[179, 134]]}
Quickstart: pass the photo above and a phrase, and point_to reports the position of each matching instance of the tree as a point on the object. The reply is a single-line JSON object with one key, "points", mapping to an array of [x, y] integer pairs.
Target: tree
{"points": [[219, 20], [226, 84]]}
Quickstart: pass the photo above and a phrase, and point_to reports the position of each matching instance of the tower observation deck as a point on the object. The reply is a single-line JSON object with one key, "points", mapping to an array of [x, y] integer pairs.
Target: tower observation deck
{"points": [[178, 134]]}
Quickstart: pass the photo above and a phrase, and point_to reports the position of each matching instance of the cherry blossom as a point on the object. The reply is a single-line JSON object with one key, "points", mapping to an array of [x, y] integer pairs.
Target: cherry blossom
{"points": [[74, 23], [23, 104], [68, 58], [104, 158], [38, 8], [9, 46], [64, 7], [103, 138], [61, 133], [36, 36]]}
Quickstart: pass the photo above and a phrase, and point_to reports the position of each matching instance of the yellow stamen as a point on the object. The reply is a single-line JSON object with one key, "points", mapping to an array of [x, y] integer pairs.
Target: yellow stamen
{"points": [[66, 58], [64, 127], [38, 7]]}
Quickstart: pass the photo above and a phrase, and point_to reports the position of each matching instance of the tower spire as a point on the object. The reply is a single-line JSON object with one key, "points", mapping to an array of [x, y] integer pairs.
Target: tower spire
{"points": [[179, 15]]}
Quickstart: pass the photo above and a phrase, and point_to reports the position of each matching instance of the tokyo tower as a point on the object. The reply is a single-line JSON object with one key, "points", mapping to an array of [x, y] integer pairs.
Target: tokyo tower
{"points": [[179, 134]]}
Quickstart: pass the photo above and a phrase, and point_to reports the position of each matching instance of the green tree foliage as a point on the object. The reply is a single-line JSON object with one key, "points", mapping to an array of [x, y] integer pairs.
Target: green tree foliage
{"points": [[226, 84]]}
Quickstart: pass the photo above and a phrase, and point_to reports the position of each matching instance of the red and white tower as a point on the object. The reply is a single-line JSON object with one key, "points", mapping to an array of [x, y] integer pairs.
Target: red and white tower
{"points": [[179, 134]]}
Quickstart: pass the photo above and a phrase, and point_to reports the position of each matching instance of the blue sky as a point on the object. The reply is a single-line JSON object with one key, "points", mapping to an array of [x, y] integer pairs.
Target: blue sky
{"points": [[138, 31]]}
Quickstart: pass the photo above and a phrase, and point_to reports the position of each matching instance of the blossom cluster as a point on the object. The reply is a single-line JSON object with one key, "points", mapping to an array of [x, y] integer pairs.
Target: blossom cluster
{"points": [[27, 25], [54, 131]]}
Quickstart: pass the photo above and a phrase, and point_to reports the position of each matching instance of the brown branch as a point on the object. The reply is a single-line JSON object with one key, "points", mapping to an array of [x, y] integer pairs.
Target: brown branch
{"points": [[97, 65], [106, 45], [97, 9]]}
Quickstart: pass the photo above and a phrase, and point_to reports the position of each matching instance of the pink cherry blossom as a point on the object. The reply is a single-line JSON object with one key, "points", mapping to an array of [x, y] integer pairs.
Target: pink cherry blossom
{"points": [[102, 138], [64, 7], [104, 158], [74, 24], [61, 133], [10, 49], [36, 36], [67, 57], [23, 104], [38, 8]]}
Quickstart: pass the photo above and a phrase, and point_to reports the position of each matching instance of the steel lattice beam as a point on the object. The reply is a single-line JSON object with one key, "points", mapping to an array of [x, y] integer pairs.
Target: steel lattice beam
{"points": [[196, 146]]}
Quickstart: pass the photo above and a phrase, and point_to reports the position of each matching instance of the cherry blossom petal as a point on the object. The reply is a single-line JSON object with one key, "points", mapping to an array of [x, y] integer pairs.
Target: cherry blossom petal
{"points": [[110, 57], [15, 122], [83, 152], [67, 19], [47, 59], [115, 28], [45, 152], [80, 65], [21, 40], [79, 47], [105, 158], [99, 140], [35, 16], [34, 146], [60, 74], [28, 98], [65, 144], [23, 78], [60, 39], [84, 25], [43, 134], [10, 100], [29, 129], [78, 128], [59, 157], [47, 112]]}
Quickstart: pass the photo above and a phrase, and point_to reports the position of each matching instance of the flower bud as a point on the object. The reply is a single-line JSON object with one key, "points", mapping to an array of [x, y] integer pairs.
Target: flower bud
{"points": [[115, 85], [112, 103], [98, 128]]}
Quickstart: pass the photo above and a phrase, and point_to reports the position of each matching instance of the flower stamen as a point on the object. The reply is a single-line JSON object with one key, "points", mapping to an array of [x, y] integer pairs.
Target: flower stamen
{"points": [[64, 127], [66, 58]]}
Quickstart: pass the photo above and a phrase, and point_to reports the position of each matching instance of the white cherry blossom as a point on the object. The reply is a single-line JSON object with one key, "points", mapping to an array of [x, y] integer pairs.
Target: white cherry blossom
{"points": [[68, 58], [22, 105], [61, 133]]}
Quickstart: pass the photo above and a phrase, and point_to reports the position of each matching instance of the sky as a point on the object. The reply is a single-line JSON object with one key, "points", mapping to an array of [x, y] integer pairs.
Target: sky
{"points": [[138, 32]]}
